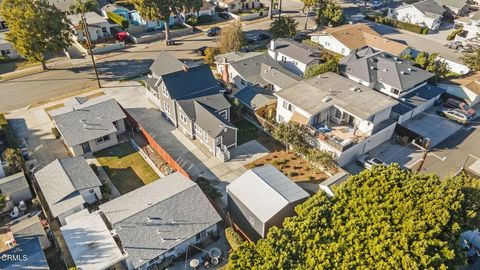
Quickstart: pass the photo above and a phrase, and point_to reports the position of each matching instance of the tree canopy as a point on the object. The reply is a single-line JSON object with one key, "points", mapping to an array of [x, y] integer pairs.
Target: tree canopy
{"points": [[329, 66], [430, 63], [329, 13], [283, 27], [83, 6], [383, 218], [161, 10], [231, 37], [36, 28]]}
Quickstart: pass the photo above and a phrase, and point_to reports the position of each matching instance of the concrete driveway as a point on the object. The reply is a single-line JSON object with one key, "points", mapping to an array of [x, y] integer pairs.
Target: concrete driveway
{"points": [[186, 152]]}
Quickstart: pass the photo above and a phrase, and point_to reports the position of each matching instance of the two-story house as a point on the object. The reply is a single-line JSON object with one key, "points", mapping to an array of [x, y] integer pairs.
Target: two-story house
{"points": [[193, 101], [426, 13], [98, 26], [293, 55], [392, 76], [343, 117], [89, 125]]}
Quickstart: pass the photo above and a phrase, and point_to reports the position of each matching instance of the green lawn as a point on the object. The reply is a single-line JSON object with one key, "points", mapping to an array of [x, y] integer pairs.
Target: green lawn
{"points": [[246, 131], [125, 167]]}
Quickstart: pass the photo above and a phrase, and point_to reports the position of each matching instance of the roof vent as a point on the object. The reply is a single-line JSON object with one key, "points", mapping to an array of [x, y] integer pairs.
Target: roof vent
{"points": [[385, 70], [326, 99], [410, 69], [355, 89], [402, 72]]}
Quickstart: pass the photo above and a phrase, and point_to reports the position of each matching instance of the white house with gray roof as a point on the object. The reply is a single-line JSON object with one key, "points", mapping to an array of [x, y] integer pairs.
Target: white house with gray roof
{"points": [[426, 13], [261, 198], [161, 220], [193, 101], [67, 186], [343, 117], [293, 55], [89, 125], [383, 72]]}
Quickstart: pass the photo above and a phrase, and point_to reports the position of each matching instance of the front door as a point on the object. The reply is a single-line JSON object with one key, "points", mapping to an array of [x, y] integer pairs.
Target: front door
{"points": [[86, 147]]}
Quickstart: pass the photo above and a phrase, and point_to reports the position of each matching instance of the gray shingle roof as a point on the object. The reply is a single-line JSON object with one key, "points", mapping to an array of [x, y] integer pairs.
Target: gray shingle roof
{"points": [[146, 224], [352, 97], [61, 180], [276, 77], [265, 191], [453, 3], [430, 8], [13, 183], [255, 97], [210, 121], [297, 51], [91, 18], [28, 229], [371, 66], [417, 98], [234, 57], [33, 250], [80, 122], [165, 64], [250, 68]]}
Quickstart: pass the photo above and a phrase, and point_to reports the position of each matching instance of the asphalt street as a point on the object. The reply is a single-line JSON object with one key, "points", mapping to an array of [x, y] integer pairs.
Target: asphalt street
{"points": [[78, 74]]}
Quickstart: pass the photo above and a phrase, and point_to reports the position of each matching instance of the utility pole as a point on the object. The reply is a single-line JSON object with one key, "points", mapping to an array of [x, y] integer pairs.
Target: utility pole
{"points": [[424, 156], [89, 44]]}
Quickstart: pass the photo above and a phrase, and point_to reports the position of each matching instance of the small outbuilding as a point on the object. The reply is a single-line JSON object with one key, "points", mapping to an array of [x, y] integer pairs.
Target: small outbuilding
{"points": [[16, 187]]}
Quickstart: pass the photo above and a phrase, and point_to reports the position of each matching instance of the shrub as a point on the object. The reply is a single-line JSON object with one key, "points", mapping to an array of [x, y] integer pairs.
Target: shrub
{"points": [[205, 18], [105, 189], [233, 238], [55, 133], [14, 159], [398, 24], [425, 31], [210, 53], [192, 20], [329, 66], [118, 19], [291, 174], [275, 163], [311, 177], [454, 33]]}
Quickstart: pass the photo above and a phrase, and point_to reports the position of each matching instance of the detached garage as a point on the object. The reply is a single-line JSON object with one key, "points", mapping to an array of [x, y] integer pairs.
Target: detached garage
{"points": [[261, 198], [16, 187]]}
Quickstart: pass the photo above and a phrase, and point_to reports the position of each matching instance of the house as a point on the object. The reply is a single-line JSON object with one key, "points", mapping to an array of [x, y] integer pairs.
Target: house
{"points": [[255, 69], [471, 28], [347, 38], [254, 97], [30, 254], [67, 186], [466, 87], [456, 7], [343, 117], [193, 101], [262, 197], [89, 125], [91, 243], [28, 228], [424, 13], [16, 187], [383, 72], [207, 9], [293, 55], [98, 26], [6, 47], [235, 6], [150, 232]]}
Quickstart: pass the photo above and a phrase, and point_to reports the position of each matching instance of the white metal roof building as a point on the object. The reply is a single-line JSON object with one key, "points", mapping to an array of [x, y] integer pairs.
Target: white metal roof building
{"points": [[262, 197]]}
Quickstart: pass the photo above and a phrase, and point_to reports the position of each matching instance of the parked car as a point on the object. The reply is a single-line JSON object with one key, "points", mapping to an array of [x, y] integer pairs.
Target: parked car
{"points": [[247, 49], [456, 45], [300, 36], [368, 161], [119, 33], [456, 115], [201, 51], [224, 15], [261, 36], [457, 104], [249, 40], [376, 4], [214, 31]]}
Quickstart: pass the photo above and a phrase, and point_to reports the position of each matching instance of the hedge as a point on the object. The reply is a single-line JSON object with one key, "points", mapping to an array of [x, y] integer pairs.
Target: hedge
{"points": [[118, 19], [454, 33], [399, 24], [205, 18], [233, 238]]}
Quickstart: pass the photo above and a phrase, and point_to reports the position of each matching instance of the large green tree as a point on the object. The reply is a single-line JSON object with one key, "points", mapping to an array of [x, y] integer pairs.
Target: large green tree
{"points": [[161, 10], [83, 6], [431, 63], [36, 28], [329, 13], [283, 27], [383, 218]]}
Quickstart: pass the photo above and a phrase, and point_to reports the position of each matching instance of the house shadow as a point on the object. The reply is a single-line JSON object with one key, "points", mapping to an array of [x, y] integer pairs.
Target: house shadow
{"points": [[382, 29]]}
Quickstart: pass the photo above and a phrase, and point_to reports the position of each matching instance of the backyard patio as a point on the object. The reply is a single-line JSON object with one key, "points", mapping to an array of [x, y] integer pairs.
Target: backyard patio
{"points": [[126, 168]]}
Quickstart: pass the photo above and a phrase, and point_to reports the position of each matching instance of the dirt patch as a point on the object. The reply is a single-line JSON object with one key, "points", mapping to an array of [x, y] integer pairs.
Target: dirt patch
{"points": [[293, 166]]}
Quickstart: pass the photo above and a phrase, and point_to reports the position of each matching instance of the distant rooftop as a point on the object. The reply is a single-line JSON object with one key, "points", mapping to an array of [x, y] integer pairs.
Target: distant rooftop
{"points": [[90, 17], [329, 89], [296, 50]]}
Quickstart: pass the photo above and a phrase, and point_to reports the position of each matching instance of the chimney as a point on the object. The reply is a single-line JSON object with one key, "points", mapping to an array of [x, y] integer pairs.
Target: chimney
{"points": [[225, 76], [185, 68], [272, 45]]}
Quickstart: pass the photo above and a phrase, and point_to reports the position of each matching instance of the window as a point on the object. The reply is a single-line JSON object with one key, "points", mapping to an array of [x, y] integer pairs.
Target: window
{"points": [[164, 91], [103, 139], [166, 107], [115, 123], [281, 119], [104, 30], [198, 130], [6, 52], [224, 114], [327, 43], [284, 59], [251, 220], [183, 118], [338, 114], [395, 91], [288, 106], [91, 190], [205, 137]]}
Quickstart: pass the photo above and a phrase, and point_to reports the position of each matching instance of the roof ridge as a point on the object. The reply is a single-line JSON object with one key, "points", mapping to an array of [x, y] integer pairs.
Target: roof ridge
{"points": [[66, 173], [276, 191]]}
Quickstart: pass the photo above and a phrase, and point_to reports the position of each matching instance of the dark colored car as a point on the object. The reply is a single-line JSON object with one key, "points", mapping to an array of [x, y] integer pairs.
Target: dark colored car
{"points": [[300, 36], [224, 15], [201, 51], [261, 36], [214, 31], [247, 49], [249, 40]]}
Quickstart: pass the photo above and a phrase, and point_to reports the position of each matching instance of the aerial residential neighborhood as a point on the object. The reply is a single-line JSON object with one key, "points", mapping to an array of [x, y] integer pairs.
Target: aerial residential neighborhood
{"points": [[233, 134]]}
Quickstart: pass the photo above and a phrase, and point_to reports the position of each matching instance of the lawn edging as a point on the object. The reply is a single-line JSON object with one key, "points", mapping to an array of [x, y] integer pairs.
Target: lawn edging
{"points": [[146, 158]]}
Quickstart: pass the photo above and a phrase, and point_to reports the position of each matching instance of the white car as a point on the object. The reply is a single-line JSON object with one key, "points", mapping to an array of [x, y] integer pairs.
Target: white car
{"points": [[368, 162], [456, 115]]}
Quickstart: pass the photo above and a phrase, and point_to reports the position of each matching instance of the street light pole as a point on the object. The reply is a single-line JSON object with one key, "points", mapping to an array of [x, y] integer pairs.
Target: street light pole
{"points": [[89, 44]]}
